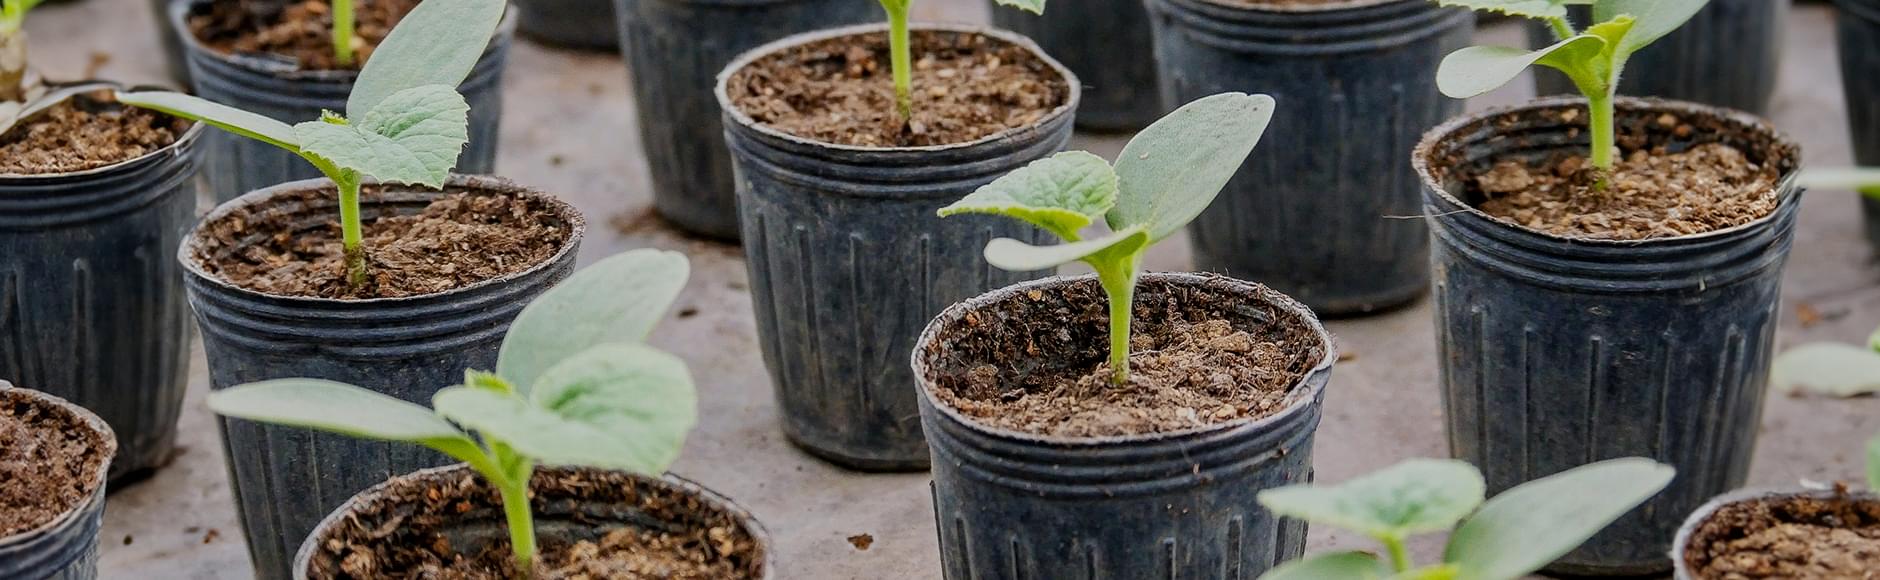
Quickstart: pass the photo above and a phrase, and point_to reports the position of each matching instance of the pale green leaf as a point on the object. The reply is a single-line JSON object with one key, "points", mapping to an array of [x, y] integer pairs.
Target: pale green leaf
{"points": [[332, 406], [1535, 523], [1336, 565], [413, 137], [1873, 341], [1032, 6], [437, 43], [1436, 572], [1173, 169], [1522, 8], [1061, 193], [1017, 256], [1416, 496], [1829, 368], [1480, 69], [1855, 179], [1873, 464], [616, 300], [217, 115], [1655, 19]]}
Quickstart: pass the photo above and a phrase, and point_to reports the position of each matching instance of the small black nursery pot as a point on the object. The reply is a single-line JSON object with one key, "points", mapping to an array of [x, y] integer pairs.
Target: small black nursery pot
{"points": [[848, 260], [285, 479], [675, 49], [1331, 225], [91, 305], [63, 546], [1702, 544], [1859, 30], [1107, 43], [1014, 505], [1557, 351], [579, 24], [266, 85], [452, 506], [1728, 55]]}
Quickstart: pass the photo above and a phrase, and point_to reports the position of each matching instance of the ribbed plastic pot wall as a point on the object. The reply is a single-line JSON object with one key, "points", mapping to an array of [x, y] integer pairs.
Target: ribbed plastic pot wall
{"points": [[1859, 30], [1107, 44], [580, 24], [1729, 55], [67, 547]]}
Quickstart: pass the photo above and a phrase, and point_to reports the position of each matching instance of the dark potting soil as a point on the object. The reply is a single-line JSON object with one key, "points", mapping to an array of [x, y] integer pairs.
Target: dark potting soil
{"points": [[404, 536], [49, 463], [1040, 364], [966, 86], [301, 31], [1790, 538], [458, 240], [84, 133]]}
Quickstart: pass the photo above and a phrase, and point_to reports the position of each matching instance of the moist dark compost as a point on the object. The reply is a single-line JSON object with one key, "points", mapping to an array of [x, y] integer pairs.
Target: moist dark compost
{"points": [[1801, 538], [50, 462], [85, 133]]}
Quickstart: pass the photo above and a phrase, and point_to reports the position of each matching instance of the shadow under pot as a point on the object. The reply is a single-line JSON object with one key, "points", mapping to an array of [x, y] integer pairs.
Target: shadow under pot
{"points": [[91, 305], [279, 87], [577, 24], [1728, 55], [1636, 321], [265, 279], [1858, 27], [54, 455], [395, 529], [848, 259], [1107, 44], [675, 50], [1037, 473], [1336, 226], [1779, 534]]}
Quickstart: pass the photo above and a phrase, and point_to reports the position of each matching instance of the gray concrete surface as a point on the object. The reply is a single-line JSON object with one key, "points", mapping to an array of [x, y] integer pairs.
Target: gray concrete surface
{"points": [[569, 129]]}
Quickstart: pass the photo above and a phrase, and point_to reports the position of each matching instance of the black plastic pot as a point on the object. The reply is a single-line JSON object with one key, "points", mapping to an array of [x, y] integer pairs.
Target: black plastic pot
{"points": [[848, 261], [1107, 43], [1016, 506], [286, 479], [558, 517], [1858, 27], [1330, 225], [675, 50], [578, 24], [237, 165], [1680, 548], [1556, 352], [1729, 55], [65, 548], [91, 305]]}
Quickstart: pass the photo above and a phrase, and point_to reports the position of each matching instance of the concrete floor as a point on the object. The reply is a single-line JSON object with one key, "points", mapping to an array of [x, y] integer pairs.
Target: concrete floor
{"points": [[569, 129]]}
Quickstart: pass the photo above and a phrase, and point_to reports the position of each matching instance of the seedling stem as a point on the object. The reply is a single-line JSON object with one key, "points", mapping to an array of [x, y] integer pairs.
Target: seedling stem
{"points": [[343, 27], [901, 56]]}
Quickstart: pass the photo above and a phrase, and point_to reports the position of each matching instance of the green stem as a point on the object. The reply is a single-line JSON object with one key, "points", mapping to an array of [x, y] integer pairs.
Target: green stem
{"points": [[343, 23], [352, 238], [521, 521], [1601, 124], [1119, 281], [12, 60], [1399, 555], [1562, 29], [902, 57]]}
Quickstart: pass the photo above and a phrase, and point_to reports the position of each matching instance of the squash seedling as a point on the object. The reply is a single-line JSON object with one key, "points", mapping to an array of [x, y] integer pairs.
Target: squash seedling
{"points": [[1593, 57], [901, 52], [13, 49], [1514, 534], [404, 122], [1164, 177], [575, 385]]}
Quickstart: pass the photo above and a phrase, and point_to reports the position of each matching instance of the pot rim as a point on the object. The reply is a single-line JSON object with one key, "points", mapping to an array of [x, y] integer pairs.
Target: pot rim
{"points": [[1784, 186], [1297, 400], [87, 419], [744, 120], [1304, 8], [179, 11], [1702, 514], [577, 230], [187, 139]]}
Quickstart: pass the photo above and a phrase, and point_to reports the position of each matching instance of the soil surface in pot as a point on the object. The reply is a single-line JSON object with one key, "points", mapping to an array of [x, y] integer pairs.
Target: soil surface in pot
{"points": [[1039, 364], [301, 31], [458, 240], [49, 463], [405, 535], [966, 86], [85, 133], [1799, 538]]}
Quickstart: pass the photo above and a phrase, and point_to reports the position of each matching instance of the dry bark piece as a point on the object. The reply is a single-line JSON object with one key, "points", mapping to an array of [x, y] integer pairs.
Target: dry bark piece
{"points": [[302, 31], [49, 463], [1807, 538], [84, 133]]}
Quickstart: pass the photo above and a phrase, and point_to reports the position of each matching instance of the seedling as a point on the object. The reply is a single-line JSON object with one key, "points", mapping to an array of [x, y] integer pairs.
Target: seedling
{"points": [[1593, 58], [13, 49], [404, 123], [901, 53], [1165, 176], [575, 385], [1514, 534]]}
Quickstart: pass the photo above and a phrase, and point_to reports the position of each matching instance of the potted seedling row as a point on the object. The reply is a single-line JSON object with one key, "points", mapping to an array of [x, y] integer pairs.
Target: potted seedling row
{"points": [[1858, 28], [1795, 533], [675, 50], [1331, 225], [1106, 43], [1606, 273], [94, 198], [53, 459], [260, 57], [1729, 55], [359, 277], [1119, 425], [844, 149]]}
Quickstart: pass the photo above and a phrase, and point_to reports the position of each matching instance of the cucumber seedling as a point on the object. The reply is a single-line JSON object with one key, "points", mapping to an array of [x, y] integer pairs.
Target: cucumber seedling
{"points": [[575, 385], [901, 52], [1508, 537], [1164, 177], [404, 121], [1593, 58], [13, 49]]}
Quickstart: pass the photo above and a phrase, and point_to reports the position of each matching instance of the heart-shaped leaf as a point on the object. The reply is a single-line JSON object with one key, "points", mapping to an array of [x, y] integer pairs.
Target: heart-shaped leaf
{"points": [[1336, 565], [1655, 19], [1016, 256], [332, 406], [1061, 193], [1416, 496], [616, 300], [1535, 523], [1480, 69], [1174, 168], [437, 43], [412, 137], [1841, 370]]}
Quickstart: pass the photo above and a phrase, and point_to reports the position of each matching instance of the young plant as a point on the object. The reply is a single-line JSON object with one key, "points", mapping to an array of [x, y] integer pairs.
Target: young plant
{"points": [[1165, 176], [1593, 57], [404, 122], [575, 385], [1515, 533], [901, 53], [13, 49]]}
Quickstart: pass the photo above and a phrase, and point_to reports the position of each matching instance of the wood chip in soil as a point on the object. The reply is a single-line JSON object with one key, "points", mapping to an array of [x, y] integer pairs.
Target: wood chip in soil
{"points": [[85, 133], [966, 86], [48, 464], [1802, 538], [301, 31]]}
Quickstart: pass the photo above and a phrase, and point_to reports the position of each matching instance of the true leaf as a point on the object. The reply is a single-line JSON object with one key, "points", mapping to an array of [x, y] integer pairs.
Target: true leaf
{"points": [[332, 406], [1061, 193], [1032, 6], [1336, 565], [1655, 19], [412, 137], [221, 116], [1173, 169], [618, 299], [1535, 523], [437, 43], [1841, 370], [1523, 8], [1016, 256], [1416, 496], [1480, 69]]}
